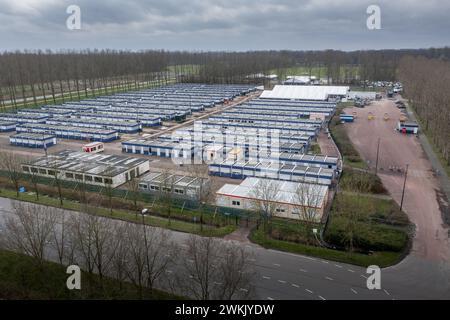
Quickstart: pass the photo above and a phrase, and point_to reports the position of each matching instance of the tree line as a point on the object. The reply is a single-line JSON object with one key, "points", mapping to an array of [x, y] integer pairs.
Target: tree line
{"points": [[426, 83], [41, 77], [147, 257]]}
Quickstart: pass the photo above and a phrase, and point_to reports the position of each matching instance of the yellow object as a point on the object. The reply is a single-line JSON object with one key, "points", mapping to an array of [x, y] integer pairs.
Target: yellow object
{"points": [[370, 116], [386, 117]]}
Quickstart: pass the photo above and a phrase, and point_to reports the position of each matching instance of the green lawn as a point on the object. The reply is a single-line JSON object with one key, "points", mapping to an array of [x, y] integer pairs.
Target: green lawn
{"points": [[380, 233], [22, 278], [382, 259], [349, 153]]}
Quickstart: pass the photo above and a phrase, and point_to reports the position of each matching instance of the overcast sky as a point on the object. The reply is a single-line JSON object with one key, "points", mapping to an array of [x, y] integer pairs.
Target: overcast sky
{"points": [[223, 24]]}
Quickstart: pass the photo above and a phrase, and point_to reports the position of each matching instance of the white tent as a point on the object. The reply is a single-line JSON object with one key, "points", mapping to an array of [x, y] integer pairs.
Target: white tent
{"points": [[305, 92]]}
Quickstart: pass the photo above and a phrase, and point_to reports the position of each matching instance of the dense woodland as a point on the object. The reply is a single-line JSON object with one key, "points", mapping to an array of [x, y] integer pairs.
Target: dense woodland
{"points": [[427, 84]]}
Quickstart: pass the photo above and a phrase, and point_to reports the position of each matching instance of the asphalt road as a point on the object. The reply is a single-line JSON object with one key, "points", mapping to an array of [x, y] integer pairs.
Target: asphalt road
{"points": [[281, 275]]}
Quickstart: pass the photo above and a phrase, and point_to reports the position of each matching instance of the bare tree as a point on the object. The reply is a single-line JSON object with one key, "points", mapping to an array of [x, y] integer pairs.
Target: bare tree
{"points": [[10, 163], [215, 270], [29, 229], [204, 194], [308, 200], [266, 195]]}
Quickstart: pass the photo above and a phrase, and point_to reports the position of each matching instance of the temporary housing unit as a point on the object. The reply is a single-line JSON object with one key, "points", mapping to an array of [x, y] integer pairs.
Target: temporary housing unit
{"points": [[97, 169], [6, 126], [292, 200], [23, 118], [33, 140], [144, 120], [159, 148], [271, 169], [178, 185], [121, 126], [68, 132]]}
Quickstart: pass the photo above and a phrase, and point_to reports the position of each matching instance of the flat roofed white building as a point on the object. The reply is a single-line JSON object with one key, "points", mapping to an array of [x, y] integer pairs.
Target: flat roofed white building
{"points": [[293, 200], [305, 92]]}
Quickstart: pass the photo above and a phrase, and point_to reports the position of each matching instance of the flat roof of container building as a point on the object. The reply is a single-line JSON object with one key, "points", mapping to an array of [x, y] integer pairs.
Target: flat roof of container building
{"points": [[44, 126], [275, 111], [287, 191], [116, 116], [7, 123], [309, 158], [282, 127], [124, 123], [22, 116], [268, 118], [87, 163], [175, 180], [33, 136]]}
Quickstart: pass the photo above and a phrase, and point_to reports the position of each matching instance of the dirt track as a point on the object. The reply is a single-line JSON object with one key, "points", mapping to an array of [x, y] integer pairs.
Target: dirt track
{"points": [[396, 150]]}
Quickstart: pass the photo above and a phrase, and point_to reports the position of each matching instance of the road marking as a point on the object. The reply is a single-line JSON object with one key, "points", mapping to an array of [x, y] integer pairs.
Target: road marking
{"points": [[323, 261], [364, 276], [350, 270], [328, 278], [322, 298], [268, 278], [269, 298], [281, 281], [295, 285], [277, 264], [354, 291], [386, 292], [303, 270], [307, 290], [338, 266]]}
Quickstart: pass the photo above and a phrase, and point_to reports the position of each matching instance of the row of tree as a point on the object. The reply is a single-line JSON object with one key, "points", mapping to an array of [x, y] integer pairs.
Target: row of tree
{"points": [[36, 77], [147, 257], [426, 84]]}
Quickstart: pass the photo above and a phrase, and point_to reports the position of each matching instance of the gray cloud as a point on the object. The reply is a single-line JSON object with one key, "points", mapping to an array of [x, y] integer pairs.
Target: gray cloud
{"points": [[223, 24]]}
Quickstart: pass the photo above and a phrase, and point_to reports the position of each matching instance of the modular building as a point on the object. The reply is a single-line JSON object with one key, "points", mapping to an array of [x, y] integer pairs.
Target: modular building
{"points": [[292, 200], [178, 185], [282, 128], [6, 126], [307, 160], [68, 132], [121, 126], [145, 121], [23, 118], [273, 170], [33, 140], [159, 148], [96, 169]]}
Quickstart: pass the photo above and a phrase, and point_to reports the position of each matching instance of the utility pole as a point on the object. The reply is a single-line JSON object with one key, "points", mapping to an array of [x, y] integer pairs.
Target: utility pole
{"points": [[378, 151], [404, 185]]}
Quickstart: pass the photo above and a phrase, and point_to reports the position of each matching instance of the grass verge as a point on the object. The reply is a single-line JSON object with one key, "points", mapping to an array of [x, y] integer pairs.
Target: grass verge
{"points": [[156, 221], [22, 278], [382, 259]]}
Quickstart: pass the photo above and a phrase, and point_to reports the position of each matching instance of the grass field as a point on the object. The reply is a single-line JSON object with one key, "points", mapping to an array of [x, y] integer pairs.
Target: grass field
{"points": [[22, 278]]}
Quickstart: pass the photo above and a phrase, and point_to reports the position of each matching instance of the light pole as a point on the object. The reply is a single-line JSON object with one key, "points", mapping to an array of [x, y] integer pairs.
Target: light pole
{"points": [[378, 151], [404, 185]]}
